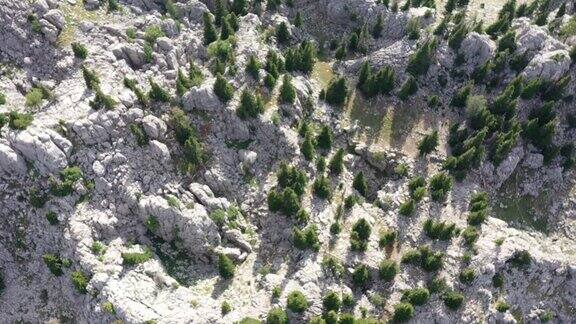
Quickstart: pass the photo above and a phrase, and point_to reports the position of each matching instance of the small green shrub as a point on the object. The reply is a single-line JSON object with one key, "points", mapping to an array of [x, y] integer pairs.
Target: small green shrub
{"points": [[80, 281], [157, 93], [467, 276], [250, 105], [502, 306], [453, 300], [226, 267], [403, 312], [331, 302], [498, 280], [277, 316], [416, 296], [54, 263], [152, 33], [297, 302], [52, 218], [322, 188], [34, 97], [19, 121], [102, 100], [134, 258], [225, 308], [440, 185], [387, 238], [360, 235], [140, 134], [80, 51], [388, 270], [361, 276]]}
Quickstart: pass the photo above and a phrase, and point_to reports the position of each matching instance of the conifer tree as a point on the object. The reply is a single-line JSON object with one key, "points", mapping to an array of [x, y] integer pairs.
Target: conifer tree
{"points": [[307, 148], [226, 31], [253, 67], [287, 91], [282, 33], [378, 27], [223, 89], [337, 92], [250, 105], [337, 162], [428, 144], [324, 139], [209, 29]]}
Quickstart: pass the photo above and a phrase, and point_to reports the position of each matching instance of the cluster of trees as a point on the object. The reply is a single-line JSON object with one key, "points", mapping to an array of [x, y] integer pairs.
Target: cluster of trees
{"points": [[440, 185], [300, 58], [336, 92], [306, 238], [420, 61], [250, 105], [372, 84], [437, 230], [360, 235], [478, 209], [187, 136], [293, 184], [424, 257]]}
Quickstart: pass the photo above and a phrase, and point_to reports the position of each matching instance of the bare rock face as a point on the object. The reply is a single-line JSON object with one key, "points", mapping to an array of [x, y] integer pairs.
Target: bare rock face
{"points": [[477, 49], [549, 66], [11, 163], [193, 226], [47, 150]]}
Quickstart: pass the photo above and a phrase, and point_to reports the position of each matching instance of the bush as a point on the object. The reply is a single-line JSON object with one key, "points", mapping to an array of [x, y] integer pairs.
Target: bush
{"points": [[407, 208], [467, 276], [424, 257], [470, 235], [409, 88], [453, 300], [437, 284], [322, 188], [360, 235], [2, 101], [226, 267], [68, 177], [102, 100], [337, 162], [420, 61], [34, 98], [521, 259], [297, 302], [439, 230], [90, 78], [440, 185], [80, 51], [287, 91], [226, 30], [253, 67], [361, 276], [331, 302], [360, 183], [502, 306], [52, 218], [416, 296], [157, 93], [19, 121], [373, 84], [403, 312], [428, 144], [54, 263], [277, 316], [337, 92], [80, 281], [388, 270], [140, 134], [225, 308], [498, 280], [250, 105], [387, 238], [307, 238], [134, 258]]}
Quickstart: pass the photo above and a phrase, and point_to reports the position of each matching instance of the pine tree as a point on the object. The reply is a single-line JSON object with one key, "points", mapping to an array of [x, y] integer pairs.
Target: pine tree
{"points": [[250, 105], [282, 33], [409, 88], [365, 74], [378, 27], [324, 139], [223, 89], [337, 162], [220, 11], [287, 91], [209, 29], [307, 148], [420, 62], [360, 183], [157, 93], [298, 19], [240, 7], [337, 92], [459, 99], [226, 31], [428, 144], [253, 67]]}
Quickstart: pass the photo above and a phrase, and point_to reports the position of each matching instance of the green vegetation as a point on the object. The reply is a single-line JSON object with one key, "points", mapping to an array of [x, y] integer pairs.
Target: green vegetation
{"points": [[337, 92], [439, 230], [336, 164], [360, 184], [297, 302], [80, 51], [361, 276], [331, 302], [19, 121], [467, 276], [277, 316], [68, 178], [427, 259], [360, 235], [440, 185], [388, 269], [134, 258], [307, 238], [416, 296], [453, 300], [80, 281], [403, 312], [54, 263], [428, 144], [372, 84], [250, 105], [322, 188], [34, 98], [226, 267]]}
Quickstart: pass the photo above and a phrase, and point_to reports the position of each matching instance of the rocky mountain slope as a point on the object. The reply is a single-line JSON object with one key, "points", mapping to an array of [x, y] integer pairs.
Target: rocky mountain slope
{"points": [[185, 161]]}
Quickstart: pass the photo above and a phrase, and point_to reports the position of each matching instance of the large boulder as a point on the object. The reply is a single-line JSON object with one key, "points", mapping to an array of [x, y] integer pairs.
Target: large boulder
{"points": [[549, 66], [11, 163], [194, 227], [201, 97], [477, 49], [44, 148]]}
